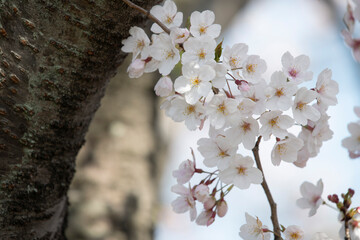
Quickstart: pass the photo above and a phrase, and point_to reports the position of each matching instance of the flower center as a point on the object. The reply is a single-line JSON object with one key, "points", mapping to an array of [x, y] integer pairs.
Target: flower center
{"points": [[241, 170], [279, 92], [223, 154], [170, 54], [273, 121], [202, 54], [221, 108], [195, 81], [233, 62], [281, 149], [300, 105], [140, 44], [250, 68], [294, 235], [202, 30], [169, 19], [190, 109], [246, 126], [293, 73]]}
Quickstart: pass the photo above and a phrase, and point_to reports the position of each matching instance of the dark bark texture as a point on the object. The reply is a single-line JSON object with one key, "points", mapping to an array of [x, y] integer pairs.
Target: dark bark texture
{"points": [[56, 57]]}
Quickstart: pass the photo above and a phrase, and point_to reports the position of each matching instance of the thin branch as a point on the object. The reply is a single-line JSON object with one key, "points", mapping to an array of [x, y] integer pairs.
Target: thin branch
{"points": [[148, 14], [274, 217]]}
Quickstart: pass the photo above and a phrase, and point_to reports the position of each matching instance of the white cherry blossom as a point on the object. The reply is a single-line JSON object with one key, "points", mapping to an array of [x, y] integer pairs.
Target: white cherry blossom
{"points": [[253, 68], [235, 56], [163, 87], [185, 172], [296, 68], [217, 150], [275, 123], [253, 229], [137, 43], [164, 50], [245, 131], [199, 50], [293, 233], [353, 43], [219, 109], [301, 110], [256, 93], [202, 24], [280, 92], [195, 82], [286, 150], [311, 196], [219, 81], [352, 143], [185, 202], [179, 35], [205, 218], [192, 114], [241, 172], [326, 89], [167, 14]]}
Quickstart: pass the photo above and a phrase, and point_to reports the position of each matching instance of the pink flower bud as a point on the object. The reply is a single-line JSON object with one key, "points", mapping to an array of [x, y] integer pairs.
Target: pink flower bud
{"points": [[222, 208], [136, 68], [209, 203], [242, 85], [163, 87]]}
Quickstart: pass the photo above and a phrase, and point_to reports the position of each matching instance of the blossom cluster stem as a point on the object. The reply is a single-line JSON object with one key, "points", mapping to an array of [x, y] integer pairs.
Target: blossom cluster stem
{"points": [[273, 207], [148, 14]]}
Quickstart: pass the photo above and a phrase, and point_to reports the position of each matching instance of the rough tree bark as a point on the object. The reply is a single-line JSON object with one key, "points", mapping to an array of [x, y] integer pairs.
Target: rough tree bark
{"points": [[56, 57]]}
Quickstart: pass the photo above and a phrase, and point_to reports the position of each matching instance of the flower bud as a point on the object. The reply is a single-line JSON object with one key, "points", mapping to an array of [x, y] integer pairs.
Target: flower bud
{"points": [[201, 192], [209, 203], [136, 68], [211, 219], [351, 192], [242, 85], [222, 208], [163, 87]]}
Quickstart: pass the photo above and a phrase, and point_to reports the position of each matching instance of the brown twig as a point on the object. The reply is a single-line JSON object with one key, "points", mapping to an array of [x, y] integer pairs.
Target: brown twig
{"points": [[274, 217], [148, 14], [347, 231]]}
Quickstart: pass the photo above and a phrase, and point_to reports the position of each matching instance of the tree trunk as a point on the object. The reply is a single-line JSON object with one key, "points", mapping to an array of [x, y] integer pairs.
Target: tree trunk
{"points": [[56, 57]]}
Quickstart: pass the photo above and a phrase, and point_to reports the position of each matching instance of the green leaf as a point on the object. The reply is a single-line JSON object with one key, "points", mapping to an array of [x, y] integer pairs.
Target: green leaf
{"points": [[218, 51]]}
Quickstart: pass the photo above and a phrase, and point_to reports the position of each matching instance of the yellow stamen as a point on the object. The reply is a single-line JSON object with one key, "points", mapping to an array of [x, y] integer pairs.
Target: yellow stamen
{"points": [[300, 105], [273, 121], [195, 81], [190, 109], [202, 30], [279, 92], [241, 170], [169, 19], [170, 54], [202, 54], [250, 68], [222, 108], [246, 126]]}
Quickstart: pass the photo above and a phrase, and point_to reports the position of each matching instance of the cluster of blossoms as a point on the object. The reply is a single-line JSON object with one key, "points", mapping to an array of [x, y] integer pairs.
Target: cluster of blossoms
{"points": [[227, 91], [352, 143], [351, 16]]}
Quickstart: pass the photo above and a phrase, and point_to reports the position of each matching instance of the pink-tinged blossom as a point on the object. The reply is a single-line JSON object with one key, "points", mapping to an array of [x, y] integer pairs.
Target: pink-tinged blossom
{"points": [[179, 35], [280, 92], [198, 50], [222, 208], [137, 43], [217, 151], [327, 90], [164, 50], [296, 68], [275, 123], [136, 68], [353, 43], [185, 202], [185, 172], [201, 192], [253, 68], [219, 109], [293, 233], [349, 18], [352, 143], [245, 131], [241, 172], [167, 14], [301, 109], [256, 93], [163, 87], [320, 236], [311, 196], [234, 57], [254, 229], [180, 111], [205, 218], [286, 150], [195, 82], [202, 24]]}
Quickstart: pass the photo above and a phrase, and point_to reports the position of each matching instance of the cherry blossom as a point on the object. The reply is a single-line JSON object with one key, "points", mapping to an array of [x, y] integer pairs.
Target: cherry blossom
{"points": [[245, 131], [301, 109], [286, 150], [253, 229], [198, 49], [163, 87], [164, 50], [311, 196], [205, 218], [219, 109], [167, 14], [349, 18], [326, 89], [136, 68], [256, 93], [195, 82], [235, 56], [352, 143], [185, 202], [222, 208], [185, 172], [202, 24], [201, 192], [296, 68], [241, 172], [293, 233], [280, 92], [179, 35], [253, 68], [137, 43], [275, 123]]}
